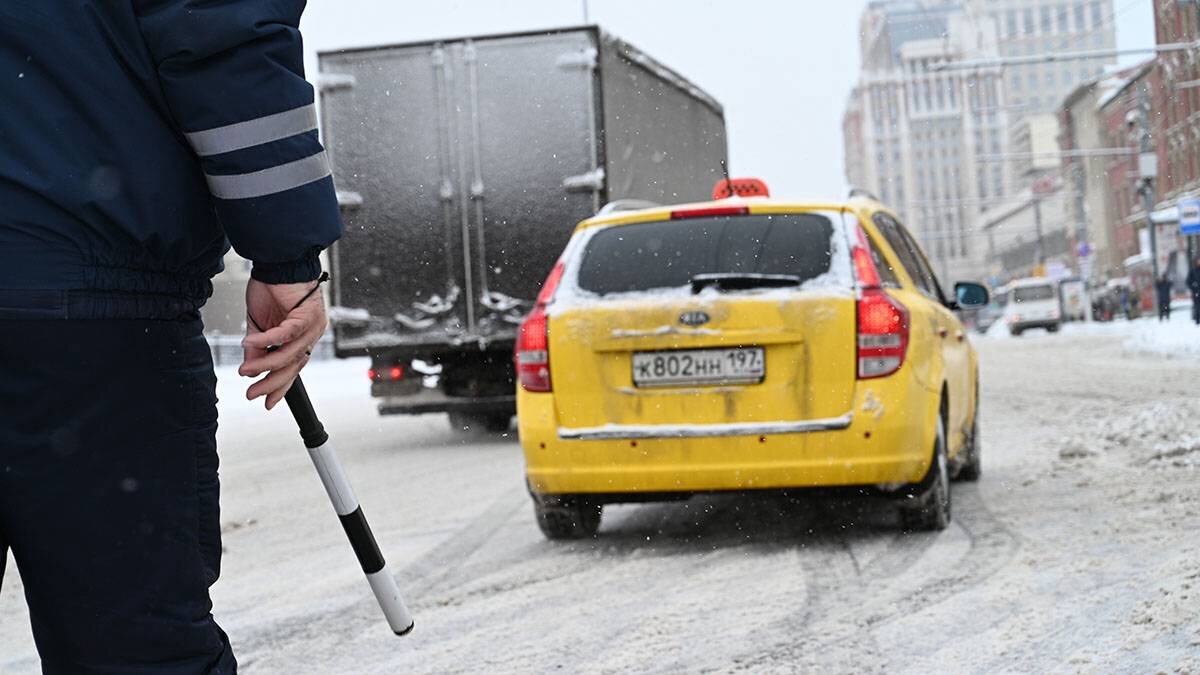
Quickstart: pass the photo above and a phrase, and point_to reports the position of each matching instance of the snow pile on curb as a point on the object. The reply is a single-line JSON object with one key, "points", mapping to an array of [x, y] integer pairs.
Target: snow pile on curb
{"points": [[1178, 338], [1170, 614], [1158, 435]]}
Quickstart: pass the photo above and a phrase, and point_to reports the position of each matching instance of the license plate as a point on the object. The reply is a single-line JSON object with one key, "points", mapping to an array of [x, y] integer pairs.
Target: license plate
{"points": [[742, 365]]}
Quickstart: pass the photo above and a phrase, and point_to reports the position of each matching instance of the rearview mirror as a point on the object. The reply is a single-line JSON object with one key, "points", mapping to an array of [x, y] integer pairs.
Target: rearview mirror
{"points": [[971, 295]]}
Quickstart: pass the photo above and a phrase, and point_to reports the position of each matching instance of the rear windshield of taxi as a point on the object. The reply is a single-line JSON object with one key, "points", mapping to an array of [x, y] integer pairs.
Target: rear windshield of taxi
{"points": [[670, 254], [1033, 293]]}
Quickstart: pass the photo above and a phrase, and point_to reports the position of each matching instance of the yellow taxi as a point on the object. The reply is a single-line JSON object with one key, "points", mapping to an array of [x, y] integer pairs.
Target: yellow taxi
{"points": [[745, 344]]}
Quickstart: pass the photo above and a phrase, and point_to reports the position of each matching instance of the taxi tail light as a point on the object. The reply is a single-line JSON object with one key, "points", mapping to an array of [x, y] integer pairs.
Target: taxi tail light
{"points": [[533, 352], [532, 355], [864, 265], [882, 334]]}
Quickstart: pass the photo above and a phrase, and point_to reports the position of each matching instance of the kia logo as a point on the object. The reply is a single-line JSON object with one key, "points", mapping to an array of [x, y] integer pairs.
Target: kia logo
{"points": [[693, 318]]}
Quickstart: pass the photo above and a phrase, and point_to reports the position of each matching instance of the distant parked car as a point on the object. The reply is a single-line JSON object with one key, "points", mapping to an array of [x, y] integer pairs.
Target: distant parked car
{"points": [[1072, 295], [1033, 303]]}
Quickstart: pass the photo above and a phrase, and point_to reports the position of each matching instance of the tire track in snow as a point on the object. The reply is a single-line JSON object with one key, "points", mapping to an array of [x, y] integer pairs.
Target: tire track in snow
{"points": [[415, 580], [651, 574], [838, 629]]}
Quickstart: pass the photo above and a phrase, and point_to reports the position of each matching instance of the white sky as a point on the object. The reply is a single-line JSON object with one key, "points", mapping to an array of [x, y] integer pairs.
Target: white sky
{"points": [[782, 68]]}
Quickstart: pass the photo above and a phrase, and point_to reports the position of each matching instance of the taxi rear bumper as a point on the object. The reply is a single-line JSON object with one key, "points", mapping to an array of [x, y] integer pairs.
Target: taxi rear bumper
{"points": [[865, 448], [651, 431]]}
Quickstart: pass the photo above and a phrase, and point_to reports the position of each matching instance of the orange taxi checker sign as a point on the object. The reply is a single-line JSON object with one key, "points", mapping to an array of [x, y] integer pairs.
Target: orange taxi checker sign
{"points": [[740, 187]]}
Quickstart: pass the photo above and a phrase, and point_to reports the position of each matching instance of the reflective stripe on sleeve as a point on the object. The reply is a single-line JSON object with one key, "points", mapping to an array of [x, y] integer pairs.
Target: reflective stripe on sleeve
{"points": [[270, 181], [254, 132]]}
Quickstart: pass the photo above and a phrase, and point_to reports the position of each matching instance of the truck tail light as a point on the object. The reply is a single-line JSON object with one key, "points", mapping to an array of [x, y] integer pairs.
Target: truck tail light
{"points": [[533, 341], [882, 334], [394, 373]]}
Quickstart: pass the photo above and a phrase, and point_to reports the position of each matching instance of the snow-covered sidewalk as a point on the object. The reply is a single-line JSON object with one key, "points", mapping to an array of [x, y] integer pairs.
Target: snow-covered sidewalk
{"points": [[1174, 339]]}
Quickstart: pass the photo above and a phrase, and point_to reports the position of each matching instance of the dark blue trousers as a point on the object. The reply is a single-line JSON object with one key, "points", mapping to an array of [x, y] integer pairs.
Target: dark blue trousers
{"points": [[108, 492]]}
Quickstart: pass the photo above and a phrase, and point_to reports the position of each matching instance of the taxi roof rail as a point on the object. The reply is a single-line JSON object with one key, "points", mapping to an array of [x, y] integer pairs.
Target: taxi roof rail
{"points": [[626, 205]]}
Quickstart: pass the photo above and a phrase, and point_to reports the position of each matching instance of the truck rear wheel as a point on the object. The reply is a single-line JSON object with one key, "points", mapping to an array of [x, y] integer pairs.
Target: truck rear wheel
{"points": [[567, 518], [480, 423]]}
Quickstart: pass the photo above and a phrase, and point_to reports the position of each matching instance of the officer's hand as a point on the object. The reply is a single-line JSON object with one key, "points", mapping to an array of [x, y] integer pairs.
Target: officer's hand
{"points": [[294, 331]]}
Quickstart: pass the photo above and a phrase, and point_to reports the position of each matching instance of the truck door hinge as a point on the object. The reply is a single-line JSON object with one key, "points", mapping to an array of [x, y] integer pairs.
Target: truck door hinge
{"points": [[584, 58], [348, 199], [332, 81], [591, 181]]}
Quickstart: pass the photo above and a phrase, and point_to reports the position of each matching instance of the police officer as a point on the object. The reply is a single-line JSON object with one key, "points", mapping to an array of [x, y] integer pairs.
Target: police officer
{"points": [[137, 140]]}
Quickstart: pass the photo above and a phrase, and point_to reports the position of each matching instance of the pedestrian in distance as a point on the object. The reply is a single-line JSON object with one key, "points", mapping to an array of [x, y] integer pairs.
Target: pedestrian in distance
{"points": [[1162, 289], [1193, 284], [139, 139]]}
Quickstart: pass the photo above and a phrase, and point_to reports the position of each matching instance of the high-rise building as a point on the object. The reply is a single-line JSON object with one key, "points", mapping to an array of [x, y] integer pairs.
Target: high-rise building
{"points": [[915, 134], [1040, 27]]}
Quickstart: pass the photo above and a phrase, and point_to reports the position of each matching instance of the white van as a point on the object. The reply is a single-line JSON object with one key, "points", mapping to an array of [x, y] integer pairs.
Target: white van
{"points": [[1032, 303]]}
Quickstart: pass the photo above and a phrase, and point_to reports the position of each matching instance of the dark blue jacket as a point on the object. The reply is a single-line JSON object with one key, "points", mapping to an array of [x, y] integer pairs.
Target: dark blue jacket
{"points": [[138, 138]]}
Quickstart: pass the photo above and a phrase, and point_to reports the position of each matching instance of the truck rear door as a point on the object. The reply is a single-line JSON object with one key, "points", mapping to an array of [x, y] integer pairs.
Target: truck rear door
{"points": [[464, 165]]}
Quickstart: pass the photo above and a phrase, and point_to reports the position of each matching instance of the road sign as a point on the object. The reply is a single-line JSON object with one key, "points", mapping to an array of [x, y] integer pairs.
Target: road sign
{"points": [[1189, 216], [1084, 249]]}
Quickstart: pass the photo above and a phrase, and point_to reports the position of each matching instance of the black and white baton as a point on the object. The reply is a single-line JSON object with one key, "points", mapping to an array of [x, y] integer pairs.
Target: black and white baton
{"points": [[333, 477], [383, 584]]}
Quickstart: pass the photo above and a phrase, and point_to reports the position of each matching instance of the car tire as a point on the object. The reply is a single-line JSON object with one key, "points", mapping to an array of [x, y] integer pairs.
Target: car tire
{"points": [[1052, 328], [972, 468], [930, 510], [480, 423], [1015, 332], [567, 518]]}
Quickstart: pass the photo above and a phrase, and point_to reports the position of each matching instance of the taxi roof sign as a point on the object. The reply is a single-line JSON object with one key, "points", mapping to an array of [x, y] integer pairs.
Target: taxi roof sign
{"points": [[740, 187]]}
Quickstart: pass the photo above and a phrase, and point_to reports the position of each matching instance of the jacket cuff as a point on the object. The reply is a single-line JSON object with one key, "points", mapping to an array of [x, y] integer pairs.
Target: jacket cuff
{"points": [[299, 271]]}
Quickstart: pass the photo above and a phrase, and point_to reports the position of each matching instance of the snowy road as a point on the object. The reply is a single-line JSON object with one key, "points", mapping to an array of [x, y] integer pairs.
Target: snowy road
{"points": [[1078, 550]]}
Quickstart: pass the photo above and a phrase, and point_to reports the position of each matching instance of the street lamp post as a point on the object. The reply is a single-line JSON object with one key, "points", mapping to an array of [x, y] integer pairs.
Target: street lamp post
{"points": [[1148, 169], [1037, 225]]}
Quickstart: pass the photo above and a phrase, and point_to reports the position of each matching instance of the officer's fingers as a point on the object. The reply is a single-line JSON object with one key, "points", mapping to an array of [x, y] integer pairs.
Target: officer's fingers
{"points": [[287, 331], [277, 381], [264, 361], [276, 396]]}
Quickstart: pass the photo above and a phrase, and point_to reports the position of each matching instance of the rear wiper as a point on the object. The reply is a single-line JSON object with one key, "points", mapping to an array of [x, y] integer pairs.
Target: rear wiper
{"points": [[732, 281]]}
